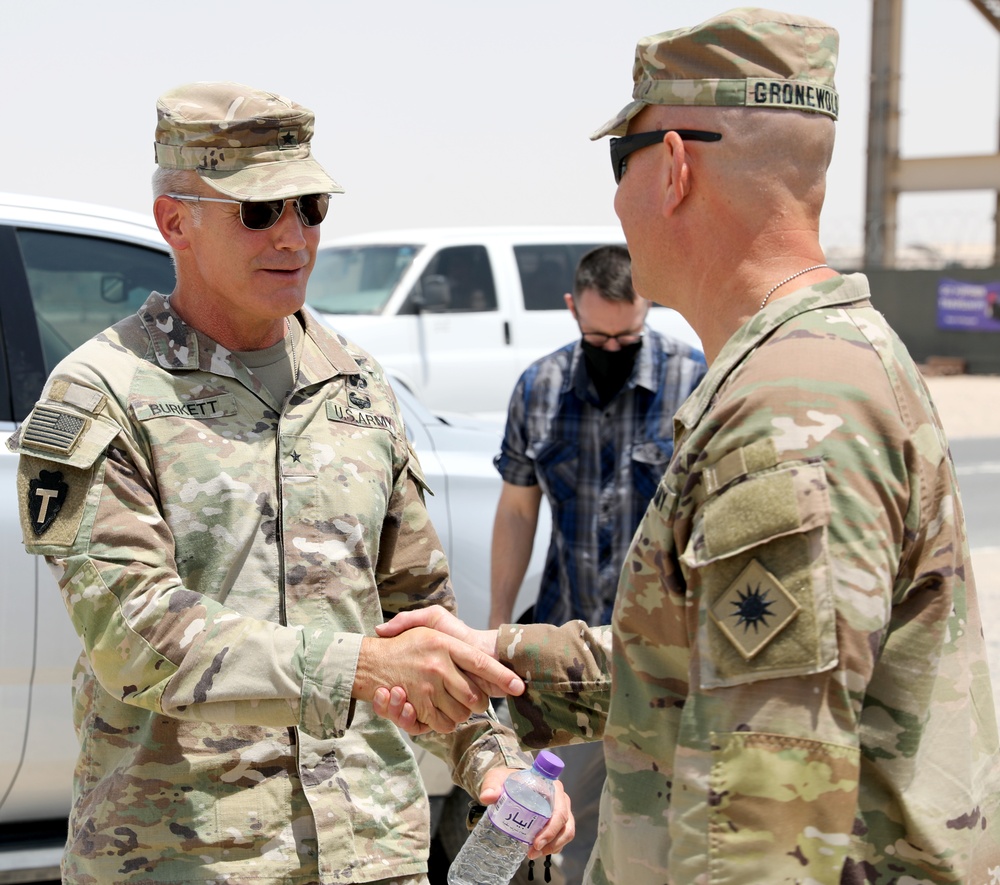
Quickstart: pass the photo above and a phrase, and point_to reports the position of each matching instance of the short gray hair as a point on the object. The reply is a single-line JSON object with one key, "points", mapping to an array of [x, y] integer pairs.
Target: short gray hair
{"points": [[178, 181]]}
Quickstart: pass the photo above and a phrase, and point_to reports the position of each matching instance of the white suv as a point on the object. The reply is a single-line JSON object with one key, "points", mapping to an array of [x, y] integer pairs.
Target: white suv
{"points": [[70, 270]]}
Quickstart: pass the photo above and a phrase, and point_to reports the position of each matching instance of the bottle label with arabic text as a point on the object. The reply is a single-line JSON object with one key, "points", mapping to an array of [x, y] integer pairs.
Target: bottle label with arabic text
{"points": [[512, 818]]}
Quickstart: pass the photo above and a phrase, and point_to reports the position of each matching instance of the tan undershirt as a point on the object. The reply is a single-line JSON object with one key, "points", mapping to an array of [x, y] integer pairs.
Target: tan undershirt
{"points": [[273, 365]]}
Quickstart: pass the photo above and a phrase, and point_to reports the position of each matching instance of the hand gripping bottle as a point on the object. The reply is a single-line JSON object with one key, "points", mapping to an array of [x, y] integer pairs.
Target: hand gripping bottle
{"points": [[501, 840]]}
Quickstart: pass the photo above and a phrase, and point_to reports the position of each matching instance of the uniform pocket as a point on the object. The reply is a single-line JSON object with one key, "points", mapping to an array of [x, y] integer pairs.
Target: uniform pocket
{"points": [[783, 807], [759, 555]]}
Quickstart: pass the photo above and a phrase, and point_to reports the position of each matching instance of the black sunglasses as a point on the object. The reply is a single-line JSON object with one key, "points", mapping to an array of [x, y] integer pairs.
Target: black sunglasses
{"points": [[262, 214], [627, 144]]}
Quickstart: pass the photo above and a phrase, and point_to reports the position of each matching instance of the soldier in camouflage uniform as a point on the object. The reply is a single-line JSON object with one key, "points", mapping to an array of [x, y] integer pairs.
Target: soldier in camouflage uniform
{"points": [[225, 492], [800, 687]]}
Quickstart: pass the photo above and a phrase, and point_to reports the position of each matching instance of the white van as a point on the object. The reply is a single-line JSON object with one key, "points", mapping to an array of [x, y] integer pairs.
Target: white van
{"points": [[459, 313]]}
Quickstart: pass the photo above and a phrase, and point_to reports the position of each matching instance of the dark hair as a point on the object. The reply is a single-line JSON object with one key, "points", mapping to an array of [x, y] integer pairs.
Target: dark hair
{"points": [[608, 270]]}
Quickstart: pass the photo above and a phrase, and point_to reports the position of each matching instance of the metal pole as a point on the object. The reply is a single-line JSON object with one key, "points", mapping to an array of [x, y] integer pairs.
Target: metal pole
{"points": [[883, 133], [996, 212]]}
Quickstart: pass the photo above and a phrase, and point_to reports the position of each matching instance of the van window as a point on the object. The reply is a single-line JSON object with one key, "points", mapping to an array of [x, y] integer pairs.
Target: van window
{"points": [[458, 279], [547, 272], [80, 285], [357, 279]]}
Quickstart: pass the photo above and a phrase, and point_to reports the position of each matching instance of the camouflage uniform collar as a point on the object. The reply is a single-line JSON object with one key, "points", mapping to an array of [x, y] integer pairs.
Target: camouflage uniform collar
{"points": [[179, 347], [323, 353], [176, 345], [836, 291]]}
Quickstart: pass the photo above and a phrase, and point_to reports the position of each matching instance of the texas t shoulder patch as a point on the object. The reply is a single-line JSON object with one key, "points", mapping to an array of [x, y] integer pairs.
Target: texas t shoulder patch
{"points": [[46, 496]]}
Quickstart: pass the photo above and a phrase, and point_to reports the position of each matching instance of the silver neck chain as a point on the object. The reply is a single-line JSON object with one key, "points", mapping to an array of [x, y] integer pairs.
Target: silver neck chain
{"points": [[777, 286], [291, 342]]}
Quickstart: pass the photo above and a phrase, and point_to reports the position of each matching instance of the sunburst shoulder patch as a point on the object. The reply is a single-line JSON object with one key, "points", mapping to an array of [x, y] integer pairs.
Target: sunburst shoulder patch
{"points": [[753, 610]]}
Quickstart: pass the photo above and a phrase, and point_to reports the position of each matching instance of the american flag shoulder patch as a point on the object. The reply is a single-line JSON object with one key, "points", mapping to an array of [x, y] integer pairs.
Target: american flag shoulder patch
{"points": [[53, 429]]}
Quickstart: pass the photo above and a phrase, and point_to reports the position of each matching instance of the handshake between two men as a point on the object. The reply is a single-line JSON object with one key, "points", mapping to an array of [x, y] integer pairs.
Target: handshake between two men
{"points": [[435, 629], [428, 671], [433, 674]]}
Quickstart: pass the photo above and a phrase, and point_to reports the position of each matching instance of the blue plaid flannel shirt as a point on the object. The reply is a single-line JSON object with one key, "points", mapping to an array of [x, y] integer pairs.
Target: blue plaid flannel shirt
{"points": [[598, 468]]}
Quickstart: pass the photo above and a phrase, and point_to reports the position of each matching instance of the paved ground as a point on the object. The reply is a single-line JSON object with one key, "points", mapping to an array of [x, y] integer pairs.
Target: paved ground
{"points": [[970, 407], [969, 404]]}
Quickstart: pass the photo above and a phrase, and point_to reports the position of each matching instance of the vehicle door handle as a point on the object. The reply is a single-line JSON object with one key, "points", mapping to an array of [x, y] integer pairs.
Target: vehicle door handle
{"points": [[506, 331]]}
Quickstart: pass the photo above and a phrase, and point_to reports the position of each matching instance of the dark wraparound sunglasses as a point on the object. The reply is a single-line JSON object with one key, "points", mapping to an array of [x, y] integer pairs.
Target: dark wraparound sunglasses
{"points": [[627, 144], [262, 214]]}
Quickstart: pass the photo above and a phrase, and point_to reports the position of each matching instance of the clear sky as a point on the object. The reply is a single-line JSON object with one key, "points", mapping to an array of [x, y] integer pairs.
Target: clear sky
{"points": [[452, 112]]}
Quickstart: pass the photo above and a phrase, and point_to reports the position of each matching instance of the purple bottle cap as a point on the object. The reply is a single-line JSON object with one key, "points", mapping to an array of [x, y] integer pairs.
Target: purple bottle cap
{"points": [[549, 764]]}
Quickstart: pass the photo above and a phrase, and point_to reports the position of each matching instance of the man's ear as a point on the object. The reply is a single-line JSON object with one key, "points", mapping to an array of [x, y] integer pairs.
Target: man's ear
{"points": [[173, 222], [674, 174], [569, 303]]}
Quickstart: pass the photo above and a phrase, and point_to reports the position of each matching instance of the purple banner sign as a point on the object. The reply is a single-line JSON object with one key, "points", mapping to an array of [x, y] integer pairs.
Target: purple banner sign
{"points": [[969, 307]]}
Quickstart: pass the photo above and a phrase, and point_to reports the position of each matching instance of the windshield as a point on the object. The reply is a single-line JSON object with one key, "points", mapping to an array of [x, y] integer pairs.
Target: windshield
{"points": [[357, 279]]}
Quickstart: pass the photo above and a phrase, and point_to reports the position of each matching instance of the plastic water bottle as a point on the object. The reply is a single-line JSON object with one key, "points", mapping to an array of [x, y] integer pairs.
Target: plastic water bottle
{"points": [[501, 840]]}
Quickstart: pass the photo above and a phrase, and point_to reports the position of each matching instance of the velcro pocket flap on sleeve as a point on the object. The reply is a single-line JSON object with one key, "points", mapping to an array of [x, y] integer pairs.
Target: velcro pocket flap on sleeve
{"points": [[59, 449], [56, 433], [759, 559], [762, 507]]}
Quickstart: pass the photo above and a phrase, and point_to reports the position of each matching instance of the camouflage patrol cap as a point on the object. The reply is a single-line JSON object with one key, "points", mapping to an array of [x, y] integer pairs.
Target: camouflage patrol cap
{"points": [[245, 143], [742, 58]]}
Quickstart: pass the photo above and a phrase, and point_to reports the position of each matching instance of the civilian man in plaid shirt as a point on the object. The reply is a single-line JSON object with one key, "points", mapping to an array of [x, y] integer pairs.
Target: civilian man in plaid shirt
{"points": [[590, 426]]}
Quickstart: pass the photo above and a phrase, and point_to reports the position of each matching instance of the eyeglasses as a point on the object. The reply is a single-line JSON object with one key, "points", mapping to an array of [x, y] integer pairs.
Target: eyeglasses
{"points": [[263, 214], [599, 339], [627, 144]]}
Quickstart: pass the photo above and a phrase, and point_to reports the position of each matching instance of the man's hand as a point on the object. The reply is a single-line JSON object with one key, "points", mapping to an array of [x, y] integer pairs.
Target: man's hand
{"points": [[445, 680], [438, 618], [560, 829], [393, 703]]}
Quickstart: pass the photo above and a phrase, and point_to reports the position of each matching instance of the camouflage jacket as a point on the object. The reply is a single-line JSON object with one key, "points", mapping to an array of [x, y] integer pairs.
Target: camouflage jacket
{"points": [[801, 691], [221, 556]]}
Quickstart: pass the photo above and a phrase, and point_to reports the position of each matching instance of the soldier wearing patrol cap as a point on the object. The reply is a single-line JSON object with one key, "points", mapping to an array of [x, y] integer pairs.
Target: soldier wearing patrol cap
{"points": [[794, 687], [226, 495]]}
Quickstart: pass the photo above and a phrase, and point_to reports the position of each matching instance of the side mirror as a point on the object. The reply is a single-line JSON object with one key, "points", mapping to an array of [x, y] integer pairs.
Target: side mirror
{"points": [[433, 295]]}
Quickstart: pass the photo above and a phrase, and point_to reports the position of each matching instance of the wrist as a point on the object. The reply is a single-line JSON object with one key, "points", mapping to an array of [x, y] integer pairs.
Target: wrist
{"points": [[364, 675], [486, 640]]}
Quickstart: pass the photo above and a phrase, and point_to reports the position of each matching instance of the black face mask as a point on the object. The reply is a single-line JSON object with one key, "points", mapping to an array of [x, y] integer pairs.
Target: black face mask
{"points": [[609, 369]]}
